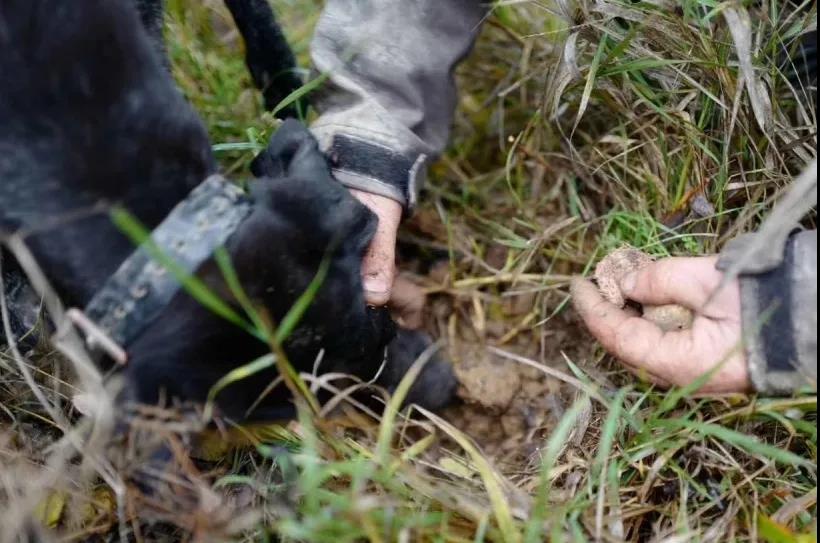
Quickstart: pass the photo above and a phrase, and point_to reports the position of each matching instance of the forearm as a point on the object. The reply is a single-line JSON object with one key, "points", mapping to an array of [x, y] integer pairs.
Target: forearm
{"points": [[387, 107], [779, 312]]}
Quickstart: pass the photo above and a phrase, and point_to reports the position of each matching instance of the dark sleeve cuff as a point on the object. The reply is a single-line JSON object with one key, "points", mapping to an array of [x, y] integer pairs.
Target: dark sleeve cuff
{"points": [[779, 312], [375, 168]]}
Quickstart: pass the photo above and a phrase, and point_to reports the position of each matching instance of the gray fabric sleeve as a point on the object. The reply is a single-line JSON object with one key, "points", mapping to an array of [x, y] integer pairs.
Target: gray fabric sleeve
{"points": [[779, 313], [388, 103]]}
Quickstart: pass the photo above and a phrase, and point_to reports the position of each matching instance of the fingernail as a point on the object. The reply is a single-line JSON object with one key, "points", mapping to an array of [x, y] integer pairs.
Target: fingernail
{"points": [[628, 282], [376, 291], [374, 285]]}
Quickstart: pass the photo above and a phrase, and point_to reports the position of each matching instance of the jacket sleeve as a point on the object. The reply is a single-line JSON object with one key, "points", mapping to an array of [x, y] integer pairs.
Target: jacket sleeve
{"points": [[779, 313], [388, 102]]}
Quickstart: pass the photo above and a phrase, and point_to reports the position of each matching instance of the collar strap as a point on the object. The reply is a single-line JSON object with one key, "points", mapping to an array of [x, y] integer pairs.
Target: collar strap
{"points": [[141, 287]]}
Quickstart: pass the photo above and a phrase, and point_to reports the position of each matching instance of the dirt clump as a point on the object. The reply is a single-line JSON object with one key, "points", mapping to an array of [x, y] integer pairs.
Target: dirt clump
{"points": [[486, 382], [506, 406]]}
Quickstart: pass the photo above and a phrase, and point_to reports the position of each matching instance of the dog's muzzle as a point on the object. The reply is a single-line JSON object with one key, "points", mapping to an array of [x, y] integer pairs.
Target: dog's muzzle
{"points": [[142, 286]]}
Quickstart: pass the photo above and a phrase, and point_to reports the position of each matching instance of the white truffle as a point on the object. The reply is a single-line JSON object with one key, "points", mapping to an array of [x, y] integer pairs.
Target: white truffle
{"points": [[611, 270]]}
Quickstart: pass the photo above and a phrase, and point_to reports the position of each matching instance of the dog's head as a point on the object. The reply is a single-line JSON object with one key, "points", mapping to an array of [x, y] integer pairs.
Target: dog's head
{"points": [[301, 219]]}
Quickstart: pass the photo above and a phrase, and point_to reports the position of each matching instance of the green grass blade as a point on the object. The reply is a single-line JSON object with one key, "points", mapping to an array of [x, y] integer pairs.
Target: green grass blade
{"points": [[237, 374], [489, 476], [304, 90], [297, 311], [744, 442], [590, 83], [609, 432], [387, 426], [223, 260], [556, 443]]}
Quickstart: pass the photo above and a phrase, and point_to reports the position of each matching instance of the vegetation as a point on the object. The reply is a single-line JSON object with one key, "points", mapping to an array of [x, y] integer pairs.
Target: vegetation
{"points": [[581, 126]]}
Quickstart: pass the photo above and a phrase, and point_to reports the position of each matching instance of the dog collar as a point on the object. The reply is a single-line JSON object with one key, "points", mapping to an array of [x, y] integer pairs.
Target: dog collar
{"points": [[141, 287]]}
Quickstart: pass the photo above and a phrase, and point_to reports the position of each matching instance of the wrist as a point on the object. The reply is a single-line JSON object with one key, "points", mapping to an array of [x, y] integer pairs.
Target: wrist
{"points": [[388, 210]]}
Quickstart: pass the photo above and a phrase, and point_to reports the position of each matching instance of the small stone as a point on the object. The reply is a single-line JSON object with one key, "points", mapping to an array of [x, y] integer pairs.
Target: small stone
{"points": [[702, 207], [513, 423], [535, 388], [478, 426], [492, 384]]}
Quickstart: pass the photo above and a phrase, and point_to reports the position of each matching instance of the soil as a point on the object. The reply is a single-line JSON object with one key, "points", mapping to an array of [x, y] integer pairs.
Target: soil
{"points": [[509, 408], [506, 406]]}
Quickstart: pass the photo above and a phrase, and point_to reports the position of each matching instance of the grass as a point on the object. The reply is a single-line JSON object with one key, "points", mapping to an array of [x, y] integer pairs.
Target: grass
{"points": [[578, 129]]}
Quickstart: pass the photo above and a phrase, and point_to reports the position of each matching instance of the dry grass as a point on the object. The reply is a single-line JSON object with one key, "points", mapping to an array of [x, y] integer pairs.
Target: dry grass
{"points": [[581, 126]]}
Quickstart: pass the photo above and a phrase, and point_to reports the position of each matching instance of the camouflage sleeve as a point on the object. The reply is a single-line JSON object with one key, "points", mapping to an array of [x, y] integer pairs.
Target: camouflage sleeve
{"points": [[779, 312]]}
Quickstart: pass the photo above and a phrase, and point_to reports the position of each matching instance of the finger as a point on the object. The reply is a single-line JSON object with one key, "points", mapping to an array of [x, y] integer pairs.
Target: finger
{"points": [[407, 302], [626, 336], [686, 281], [378, 266]]}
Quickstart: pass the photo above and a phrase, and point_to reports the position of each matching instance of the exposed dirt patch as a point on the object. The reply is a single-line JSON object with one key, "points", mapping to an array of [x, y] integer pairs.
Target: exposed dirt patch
{"points": [[507, 404], [486, 381], [509, 407], [491, 332]]}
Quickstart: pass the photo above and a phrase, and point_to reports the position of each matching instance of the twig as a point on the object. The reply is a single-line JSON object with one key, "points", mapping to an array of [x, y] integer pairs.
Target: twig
{"points": [[96, 336]]}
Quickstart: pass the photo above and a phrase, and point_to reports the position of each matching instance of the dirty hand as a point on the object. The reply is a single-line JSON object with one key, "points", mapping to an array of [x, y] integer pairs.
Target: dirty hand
{"points": [[379, 266], [676, 357]]}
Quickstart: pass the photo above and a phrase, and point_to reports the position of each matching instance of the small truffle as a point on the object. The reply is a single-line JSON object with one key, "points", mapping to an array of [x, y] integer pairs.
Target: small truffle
{"points": [[611, 270]]}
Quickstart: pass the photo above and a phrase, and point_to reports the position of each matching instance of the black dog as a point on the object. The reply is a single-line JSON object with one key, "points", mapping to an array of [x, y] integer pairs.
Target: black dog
{"points": [[88, 114]]}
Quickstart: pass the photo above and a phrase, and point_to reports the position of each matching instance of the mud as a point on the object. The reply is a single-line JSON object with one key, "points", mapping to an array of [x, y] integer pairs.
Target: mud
{"points": [[506, 403], [508, 407]]}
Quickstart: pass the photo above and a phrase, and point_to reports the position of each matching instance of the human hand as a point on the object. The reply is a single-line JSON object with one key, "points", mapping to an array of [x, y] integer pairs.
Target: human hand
{"points": [[675, 357], [379, 265], [407, 303]]}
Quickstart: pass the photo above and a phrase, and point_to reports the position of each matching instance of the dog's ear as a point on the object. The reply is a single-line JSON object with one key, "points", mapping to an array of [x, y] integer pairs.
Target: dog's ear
{"points": [[296, 184], [278, 159]]}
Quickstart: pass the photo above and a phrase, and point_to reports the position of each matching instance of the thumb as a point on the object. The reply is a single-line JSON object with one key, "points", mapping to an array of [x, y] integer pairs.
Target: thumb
{"points": [[685, 281], [379, 264], [407, 301], [379, 269]]}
